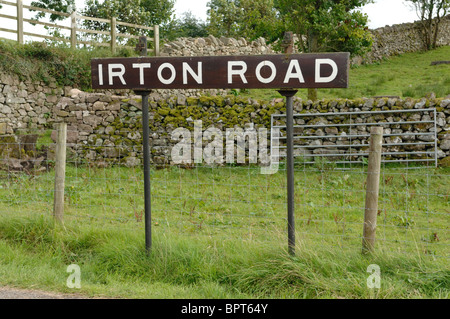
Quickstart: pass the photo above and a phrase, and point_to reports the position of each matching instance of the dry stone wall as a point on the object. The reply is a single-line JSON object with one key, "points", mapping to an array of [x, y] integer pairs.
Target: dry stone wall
{"points": [[388, 41], [402, 38], [25, 104], [105, 126], [216, 46]]}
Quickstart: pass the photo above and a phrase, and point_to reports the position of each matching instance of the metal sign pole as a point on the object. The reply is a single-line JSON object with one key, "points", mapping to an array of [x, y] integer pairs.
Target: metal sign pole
{"points": [[147, 189], [289, 94], [142, 48], [288, 44]]}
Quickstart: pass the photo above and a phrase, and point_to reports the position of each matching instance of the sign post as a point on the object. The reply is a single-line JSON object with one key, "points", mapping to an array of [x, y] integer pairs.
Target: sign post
{"points": [[288, 44], [289, 94], [285, 72], [147, 184], [142, 48]]}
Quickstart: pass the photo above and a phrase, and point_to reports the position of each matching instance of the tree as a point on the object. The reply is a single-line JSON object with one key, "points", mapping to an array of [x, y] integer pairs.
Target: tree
{"points": [[250, 19], [430, 13], [187, 26], [260, 18], [65, 6], [143, 12], [327, 26], [223, 17]]}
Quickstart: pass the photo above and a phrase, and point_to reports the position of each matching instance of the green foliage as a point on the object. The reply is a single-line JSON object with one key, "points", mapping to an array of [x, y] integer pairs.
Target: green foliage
{"points": [[65, 6], [327, 26], [39, 61], [260, 19], [223, 17], [187, 26], [250, 19], [142, 12]]}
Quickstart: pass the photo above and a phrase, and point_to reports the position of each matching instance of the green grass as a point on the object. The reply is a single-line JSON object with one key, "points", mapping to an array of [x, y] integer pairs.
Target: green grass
{"points": [[41, 62], [221, 233], [406, 75]]}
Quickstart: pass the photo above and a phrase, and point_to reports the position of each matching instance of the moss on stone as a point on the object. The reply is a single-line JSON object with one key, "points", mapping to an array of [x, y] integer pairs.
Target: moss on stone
{"points": [[445, 162], [163, 111], [249, 109], [192, 101], [218, 100], [205, 100]]}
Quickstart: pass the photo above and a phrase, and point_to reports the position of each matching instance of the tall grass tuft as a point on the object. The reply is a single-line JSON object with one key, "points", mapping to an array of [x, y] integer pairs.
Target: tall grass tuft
{"points": [[113, 262]]}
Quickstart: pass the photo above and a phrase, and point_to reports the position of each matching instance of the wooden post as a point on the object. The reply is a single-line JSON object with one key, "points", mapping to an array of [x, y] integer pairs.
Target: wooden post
{"points": [[60, 172], [20, 21], [372, 189], [73, 33], [113, 35], [156, 39]]}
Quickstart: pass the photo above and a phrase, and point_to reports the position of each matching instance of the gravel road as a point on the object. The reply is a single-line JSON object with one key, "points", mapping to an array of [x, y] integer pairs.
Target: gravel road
{"points": [[15, 293]]}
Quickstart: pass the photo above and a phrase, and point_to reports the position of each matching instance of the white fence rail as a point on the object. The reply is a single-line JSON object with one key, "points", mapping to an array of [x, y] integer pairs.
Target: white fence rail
{"points": [[74, 28]]}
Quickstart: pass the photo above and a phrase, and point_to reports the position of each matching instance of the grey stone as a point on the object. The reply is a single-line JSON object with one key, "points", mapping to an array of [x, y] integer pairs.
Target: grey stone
{"points": [[3, 128], [445, 145], [132, 161], [98, 106]]}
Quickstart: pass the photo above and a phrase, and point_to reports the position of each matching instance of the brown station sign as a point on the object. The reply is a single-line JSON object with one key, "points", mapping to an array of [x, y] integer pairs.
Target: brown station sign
{"points": [[315, 70]]}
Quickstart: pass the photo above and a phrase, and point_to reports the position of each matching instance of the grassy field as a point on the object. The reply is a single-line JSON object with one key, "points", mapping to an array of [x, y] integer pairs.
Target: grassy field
{"points": [[406, 75], [221, 233]]}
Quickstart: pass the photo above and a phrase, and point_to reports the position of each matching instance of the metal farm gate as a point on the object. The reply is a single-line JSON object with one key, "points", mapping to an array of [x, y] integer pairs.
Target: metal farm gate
{"points": [[410, 136]]}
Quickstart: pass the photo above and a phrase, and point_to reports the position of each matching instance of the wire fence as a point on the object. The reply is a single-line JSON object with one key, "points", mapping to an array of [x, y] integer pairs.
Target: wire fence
{"points": [[346, 142], [230, 199]]}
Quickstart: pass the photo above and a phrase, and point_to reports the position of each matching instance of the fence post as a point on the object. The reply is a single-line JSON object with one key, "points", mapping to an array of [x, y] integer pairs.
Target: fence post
{"points": [[20, 21], [113, 35], [73, 33], [156, 39], [372, 189], [60, 172]]}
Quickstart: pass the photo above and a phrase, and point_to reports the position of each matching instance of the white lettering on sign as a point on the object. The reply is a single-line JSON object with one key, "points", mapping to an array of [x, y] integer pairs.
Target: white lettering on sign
{"points": [[268, 71], [141, 67], [240, 72], [294, 72], [171, 68], [198, 77], [100, 74], [327, 79], [272, 68], [118, 74]]}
